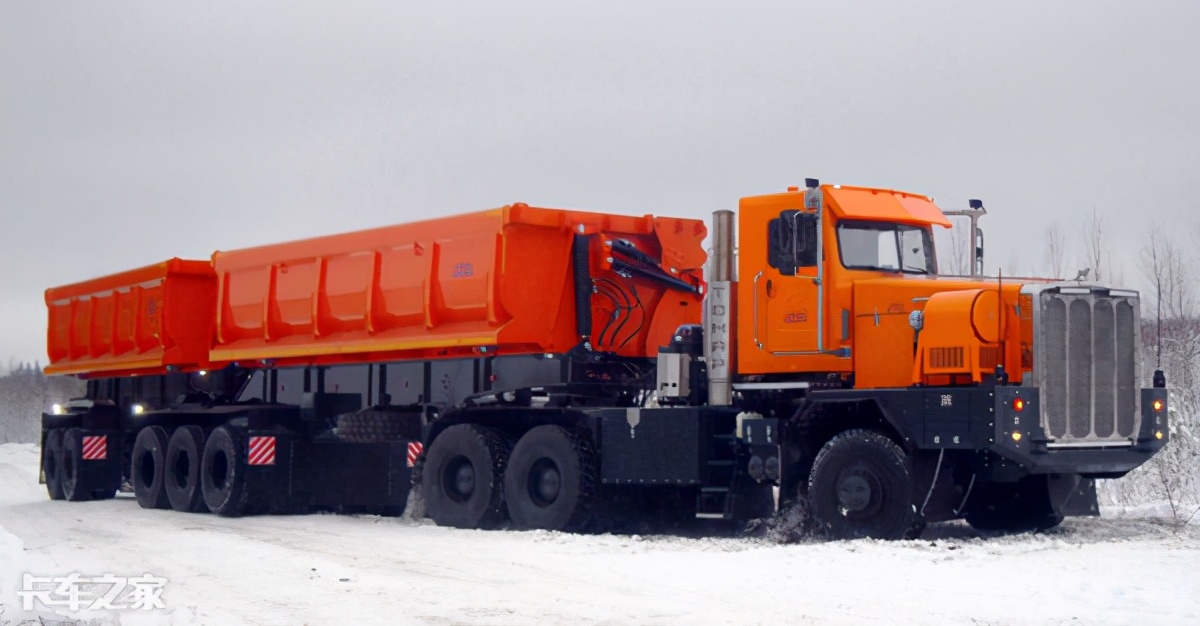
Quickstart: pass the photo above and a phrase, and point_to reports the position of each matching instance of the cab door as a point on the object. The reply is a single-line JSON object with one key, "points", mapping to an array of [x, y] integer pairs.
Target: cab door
{"points": [[788, 288]]}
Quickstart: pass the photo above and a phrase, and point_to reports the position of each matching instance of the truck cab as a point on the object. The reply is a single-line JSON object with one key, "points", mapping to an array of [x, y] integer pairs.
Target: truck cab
{"points": [[812, 263], [1015, 392]]}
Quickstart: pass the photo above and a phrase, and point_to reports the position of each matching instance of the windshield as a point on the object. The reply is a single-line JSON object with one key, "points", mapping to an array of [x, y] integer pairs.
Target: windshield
{"points": [[886, 246]]}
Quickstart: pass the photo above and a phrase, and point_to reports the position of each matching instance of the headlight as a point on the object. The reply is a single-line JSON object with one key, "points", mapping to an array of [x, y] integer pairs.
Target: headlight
{"points": [[916, 319], [57, 409], [137, 409]]}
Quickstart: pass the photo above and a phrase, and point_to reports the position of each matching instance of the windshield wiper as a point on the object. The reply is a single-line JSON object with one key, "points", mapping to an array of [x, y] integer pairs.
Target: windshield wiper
{"points": [[919, 270]]}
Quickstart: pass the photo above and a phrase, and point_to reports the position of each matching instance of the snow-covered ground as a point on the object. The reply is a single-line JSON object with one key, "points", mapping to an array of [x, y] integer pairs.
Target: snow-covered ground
{"points": [[328, 569]]}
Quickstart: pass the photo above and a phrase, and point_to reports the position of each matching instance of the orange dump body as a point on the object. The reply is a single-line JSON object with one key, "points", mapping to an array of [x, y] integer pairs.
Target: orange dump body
{"points": [[494, 282], [140, 321]]}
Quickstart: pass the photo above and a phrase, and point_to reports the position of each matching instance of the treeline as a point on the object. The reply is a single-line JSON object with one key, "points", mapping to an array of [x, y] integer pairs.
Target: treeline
{"points": [[24, 394]]}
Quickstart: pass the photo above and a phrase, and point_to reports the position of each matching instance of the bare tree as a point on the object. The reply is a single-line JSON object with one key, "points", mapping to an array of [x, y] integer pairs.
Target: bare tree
{"points": [[1014, 266], [1056, 247], [1172, 342], [1095, 254]]}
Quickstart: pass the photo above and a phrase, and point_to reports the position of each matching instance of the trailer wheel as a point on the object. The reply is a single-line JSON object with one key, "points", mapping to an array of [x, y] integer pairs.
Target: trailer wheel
{"points": [[147, 463], [549, 481], [50, 461], [463, 477], [69, 467], [223, 473], [182, 470], [861, 485], [1017, 507]]}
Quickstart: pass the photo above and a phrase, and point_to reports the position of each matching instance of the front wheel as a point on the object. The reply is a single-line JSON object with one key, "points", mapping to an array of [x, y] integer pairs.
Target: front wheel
{"points": [[861, 485]]}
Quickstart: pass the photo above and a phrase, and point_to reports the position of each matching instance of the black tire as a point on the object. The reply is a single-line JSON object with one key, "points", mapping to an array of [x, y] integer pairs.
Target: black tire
{"points": [[379, 426], [550, 480], [70, 465], [50, 461], [146, 468], [861, 485], [182, 470], [463, 477], [223, 472], [1017, 507]]}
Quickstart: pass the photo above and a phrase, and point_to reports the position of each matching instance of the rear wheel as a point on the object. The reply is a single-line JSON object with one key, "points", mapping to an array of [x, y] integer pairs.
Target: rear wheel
{"points": [[1013, 507], [50, 461], [182, 471], [147, 468], [463, 477], [70, 467], [549, 481], [223, 473], [861, 485]]}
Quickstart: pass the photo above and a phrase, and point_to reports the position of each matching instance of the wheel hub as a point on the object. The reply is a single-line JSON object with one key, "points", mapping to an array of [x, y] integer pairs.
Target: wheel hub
{"points": [[460, 479], [545, 482], [183, 467], [855, 491]]}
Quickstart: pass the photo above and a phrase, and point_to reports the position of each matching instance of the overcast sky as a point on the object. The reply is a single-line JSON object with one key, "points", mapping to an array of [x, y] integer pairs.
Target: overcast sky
{"points": [[134, 132]]}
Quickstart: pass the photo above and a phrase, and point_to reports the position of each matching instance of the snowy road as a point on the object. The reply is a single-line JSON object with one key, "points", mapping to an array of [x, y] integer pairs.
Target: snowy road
{"points": [[326, 569]]}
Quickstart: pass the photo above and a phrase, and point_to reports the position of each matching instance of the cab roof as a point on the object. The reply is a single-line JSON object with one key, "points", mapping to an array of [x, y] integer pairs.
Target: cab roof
{"points": [[883, 205]]}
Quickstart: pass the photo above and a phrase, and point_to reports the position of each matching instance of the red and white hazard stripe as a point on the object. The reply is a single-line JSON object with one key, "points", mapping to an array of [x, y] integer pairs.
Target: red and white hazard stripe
{"points": [[95, 448], [414, 451], [262, 451]]}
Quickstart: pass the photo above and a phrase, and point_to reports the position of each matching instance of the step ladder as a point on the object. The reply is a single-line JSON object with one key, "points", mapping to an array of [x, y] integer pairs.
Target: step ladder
{"points": [[715, 498]]}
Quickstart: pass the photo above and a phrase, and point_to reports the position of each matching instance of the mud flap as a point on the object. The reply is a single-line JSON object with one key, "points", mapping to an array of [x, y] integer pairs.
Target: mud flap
{"points": [[1074, 495]]}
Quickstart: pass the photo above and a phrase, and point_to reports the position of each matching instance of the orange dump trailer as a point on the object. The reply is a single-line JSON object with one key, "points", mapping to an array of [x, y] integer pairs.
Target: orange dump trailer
{"points": [[495, 282], [139, 321], [547, 369], [492, 282]]}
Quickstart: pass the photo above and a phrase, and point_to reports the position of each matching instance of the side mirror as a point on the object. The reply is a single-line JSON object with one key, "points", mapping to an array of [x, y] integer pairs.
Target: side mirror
{"points": [[804, 230], [979, 251]]}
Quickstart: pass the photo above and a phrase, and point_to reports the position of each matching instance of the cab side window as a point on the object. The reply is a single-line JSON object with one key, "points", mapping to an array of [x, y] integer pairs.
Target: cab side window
{"points": [[792, 241]]}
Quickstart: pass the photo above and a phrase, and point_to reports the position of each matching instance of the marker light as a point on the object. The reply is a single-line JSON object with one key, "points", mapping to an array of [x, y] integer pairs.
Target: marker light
{"points": [[1019, 405], [57, 409], [1158, 406], [1158, 434], [137, 409], [1016, 436]]}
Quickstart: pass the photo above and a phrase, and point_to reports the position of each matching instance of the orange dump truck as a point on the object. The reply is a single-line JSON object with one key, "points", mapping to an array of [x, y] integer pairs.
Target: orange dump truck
{"points": [[546, 368]]}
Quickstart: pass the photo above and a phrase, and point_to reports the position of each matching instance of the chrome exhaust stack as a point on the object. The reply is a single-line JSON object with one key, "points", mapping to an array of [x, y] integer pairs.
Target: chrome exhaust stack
{"points": [[718, 313]]}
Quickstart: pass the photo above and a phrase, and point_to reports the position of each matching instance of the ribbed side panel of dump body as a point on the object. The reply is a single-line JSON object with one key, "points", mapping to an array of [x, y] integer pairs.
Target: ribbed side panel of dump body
{"points": [[493, 282], [142, 320]]}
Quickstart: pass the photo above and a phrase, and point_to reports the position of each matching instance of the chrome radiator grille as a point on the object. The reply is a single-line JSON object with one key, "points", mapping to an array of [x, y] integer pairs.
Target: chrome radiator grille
{"points": [[1085, 363]]}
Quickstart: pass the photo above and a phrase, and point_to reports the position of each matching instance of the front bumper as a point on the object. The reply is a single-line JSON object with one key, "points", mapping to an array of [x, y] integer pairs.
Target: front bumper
{"points": [[1020, 446]]}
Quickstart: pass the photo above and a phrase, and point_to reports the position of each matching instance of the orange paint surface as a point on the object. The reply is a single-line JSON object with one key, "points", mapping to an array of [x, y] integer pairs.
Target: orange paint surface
{"points": [[493, 282], [488, 283], [139, 321]]}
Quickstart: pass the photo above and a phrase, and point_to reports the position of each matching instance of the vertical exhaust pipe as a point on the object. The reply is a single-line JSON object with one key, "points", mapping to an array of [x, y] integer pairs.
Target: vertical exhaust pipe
{"points": [[718, 313]]}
